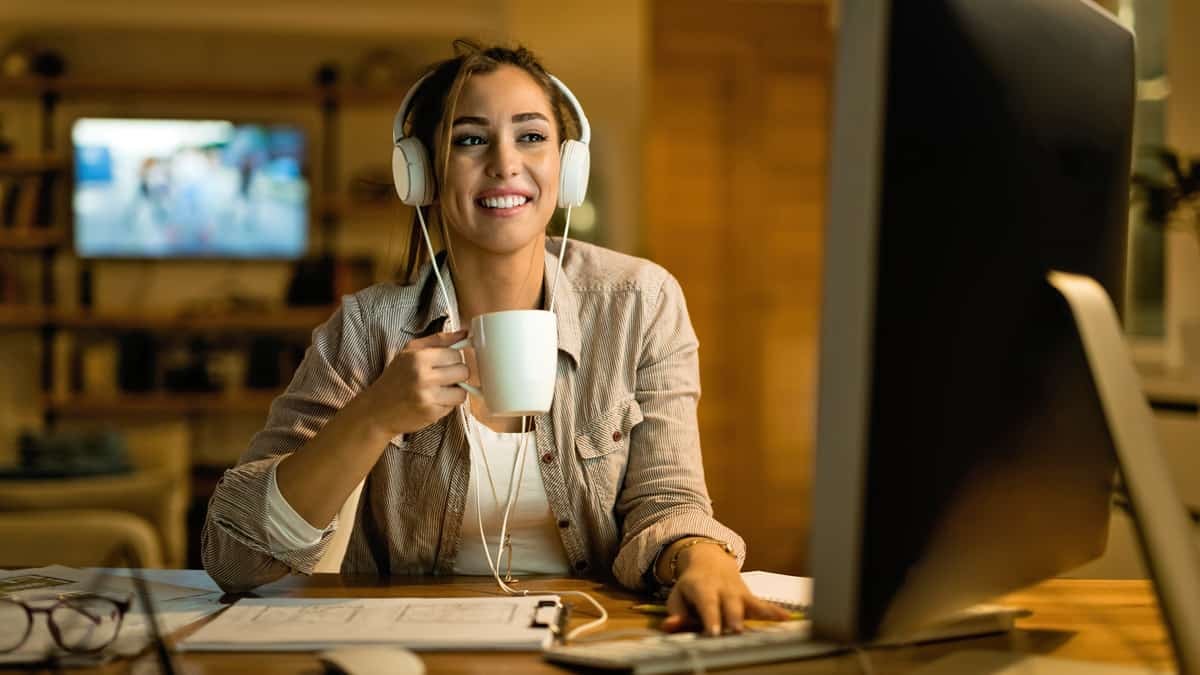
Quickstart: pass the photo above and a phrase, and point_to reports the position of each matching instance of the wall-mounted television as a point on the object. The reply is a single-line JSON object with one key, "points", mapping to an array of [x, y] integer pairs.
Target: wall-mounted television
{"points": [[189, 188]]}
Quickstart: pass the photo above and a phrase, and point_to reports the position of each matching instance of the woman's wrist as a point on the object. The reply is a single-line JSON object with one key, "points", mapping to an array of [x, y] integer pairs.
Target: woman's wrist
{"points": [[675, 558]]}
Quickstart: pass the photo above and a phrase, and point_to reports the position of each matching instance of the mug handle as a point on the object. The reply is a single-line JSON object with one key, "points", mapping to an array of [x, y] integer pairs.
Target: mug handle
{"points": [[466, 342]]}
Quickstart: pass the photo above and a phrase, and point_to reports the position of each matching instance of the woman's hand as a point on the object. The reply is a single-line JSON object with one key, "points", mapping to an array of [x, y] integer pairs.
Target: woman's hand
{"points": [[710, 592], [419, 386]]}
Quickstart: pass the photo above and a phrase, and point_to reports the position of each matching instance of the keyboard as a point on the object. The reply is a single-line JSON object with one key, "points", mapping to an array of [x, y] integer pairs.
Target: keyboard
{"points": [[682, 652]]}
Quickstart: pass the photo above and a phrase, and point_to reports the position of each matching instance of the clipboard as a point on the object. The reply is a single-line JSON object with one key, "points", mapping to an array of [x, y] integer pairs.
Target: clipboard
{"points": [[422, 624]]}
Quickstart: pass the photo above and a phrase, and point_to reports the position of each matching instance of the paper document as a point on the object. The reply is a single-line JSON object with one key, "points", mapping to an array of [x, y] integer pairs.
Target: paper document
{"points": [[175, 606], [304, 624]]}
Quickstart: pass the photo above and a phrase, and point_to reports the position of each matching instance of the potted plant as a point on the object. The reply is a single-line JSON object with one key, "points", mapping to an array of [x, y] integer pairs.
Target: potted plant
{"points": [[1170, 201]]}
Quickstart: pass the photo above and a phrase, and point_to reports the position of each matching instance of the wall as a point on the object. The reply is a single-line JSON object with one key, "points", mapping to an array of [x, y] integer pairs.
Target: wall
{"points": [[1183, 70]]}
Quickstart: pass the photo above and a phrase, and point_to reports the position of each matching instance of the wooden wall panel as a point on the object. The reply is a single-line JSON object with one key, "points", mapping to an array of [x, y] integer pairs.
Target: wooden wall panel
{"points": [[735, 178]]}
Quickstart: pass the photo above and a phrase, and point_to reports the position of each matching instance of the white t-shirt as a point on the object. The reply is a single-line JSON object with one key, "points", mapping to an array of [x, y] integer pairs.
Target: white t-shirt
{"points": [[537, 548]]}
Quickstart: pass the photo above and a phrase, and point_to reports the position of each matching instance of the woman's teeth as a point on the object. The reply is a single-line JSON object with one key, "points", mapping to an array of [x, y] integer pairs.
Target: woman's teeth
{"points": [[506, 202]]}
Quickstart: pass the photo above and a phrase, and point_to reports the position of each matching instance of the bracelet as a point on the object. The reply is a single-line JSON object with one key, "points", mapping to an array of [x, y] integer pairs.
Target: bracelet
{"points": [[674, 562]]}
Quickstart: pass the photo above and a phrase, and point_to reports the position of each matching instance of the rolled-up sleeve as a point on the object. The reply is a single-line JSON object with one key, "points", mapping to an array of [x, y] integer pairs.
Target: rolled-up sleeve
{"points": [[236, 544], [664, 497]]}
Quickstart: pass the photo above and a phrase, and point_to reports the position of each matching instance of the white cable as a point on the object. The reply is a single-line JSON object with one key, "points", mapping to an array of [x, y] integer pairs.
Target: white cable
{"points": [[521, 452], [562, 249], [451, 309]]}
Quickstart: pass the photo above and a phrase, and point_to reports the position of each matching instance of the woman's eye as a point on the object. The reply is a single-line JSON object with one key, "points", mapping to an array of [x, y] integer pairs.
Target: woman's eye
{"points": [[468, 139], [532, 137]]}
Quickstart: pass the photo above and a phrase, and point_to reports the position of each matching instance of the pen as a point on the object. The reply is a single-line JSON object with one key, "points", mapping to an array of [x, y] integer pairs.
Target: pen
{"points": [[661, 610]]}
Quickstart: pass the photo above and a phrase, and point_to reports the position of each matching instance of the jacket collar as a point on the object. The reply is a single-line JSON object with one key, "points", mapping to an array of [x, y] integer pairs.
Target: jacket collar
{"points": [[431, 307]]}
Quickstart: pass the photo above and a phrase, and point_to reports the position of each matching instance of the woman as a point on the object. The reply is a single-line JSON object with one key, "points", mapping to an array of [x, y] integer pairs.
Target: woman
{"points": [[616, 481]]}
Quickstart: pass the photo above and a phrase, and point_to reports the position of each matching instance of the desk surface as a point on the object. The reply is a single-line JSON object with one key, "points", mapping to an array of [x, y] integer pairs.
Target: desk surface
{"points": [[1110, 621]]}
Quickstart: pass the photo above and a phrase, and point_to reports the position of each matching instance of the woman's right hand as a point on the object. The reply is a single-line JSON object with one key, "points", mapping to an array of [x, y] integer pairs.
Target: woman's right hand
{"points": [[419, 386]]}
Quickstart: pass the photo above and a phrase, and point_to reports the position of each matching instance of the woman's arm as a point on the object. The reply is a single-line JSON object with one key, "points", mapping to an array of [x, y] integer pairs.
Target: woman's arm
{"points": [[669, 525], [321, 439]]}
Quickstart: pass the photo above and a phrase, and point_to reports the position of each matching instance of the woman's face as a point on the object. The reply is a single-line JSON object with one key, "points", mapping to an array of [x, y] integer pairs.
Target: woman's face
{"points": [[502, 170]]}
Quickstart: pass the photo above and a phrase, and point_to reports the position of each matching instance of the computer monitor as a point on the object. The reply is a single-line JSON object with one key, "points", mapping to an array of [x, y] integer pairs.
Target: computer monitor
{"points": [[962, 445]]}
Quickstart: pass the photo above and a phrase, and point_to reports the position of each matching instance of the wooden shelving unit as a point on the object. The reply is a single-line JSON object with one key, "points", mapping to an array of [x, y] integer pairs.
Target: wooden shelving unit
{"points": [[32, 238], [161, 403], [53, 160]]}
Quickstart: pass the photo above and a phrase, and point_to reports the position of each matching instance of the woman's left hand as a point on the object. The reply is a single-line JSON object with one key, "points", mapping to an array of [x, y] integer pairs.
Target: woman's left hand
{"points": [[710, 589]]}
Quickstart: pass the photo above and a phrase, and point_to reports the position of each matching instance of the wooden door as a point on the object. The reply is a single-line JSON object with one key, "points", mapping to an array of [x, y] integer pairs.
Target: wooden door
{"points": [[735, 165]]}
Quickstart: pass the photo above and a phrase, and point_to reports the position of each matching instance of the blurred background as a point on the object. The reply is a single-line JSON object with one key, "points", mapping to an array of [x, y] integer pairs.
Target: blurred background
{"points": [[135, 372]]}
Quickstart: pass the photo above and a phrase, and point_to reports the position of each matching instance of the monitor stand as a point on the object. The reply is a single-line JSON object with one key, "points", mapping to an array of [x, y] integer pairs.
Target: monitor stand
{"points": [[1160, 518]]}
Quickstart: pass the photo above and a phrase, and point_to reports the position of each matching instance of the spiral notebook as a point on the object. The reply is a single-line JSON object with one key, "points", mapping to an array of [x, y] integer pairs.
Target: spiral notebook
{"points": [[785, 590]]}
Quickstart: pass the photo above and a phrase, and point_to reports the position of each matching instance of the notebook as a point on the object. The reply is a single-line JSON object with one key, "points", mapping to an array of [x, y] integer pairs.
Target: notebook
{"points": [[785, 590]]}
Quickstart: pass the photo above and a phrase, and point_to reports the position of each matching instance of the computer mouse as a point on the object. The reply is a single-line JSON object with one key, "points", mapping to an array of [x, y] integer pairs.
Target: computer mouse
{"points": [[372, 659]]}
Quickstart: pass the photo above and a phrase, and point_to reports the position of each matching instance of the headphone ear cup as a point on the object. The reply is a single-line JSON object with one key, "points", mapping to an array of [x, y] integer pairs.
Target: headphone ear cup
{"points": [[575, 164], [410, 172]]}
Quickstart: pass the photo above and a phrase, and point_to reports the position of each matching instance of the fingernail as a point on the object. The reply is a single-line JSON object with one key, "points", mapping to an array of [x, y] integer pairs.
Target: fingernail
{"points": [[714, 630]]}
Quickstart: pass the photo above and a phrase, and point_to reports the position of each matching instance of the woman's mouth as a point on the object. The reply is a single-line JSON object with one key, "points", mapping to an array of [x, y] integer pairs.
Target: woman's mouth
{"points": [[503, 205]]}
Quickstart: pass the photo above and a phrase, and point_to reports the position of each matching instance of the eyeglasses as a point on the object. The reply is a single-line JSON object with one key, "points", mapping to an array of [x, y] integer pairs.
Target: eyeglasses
{"points": [[79, 622]]}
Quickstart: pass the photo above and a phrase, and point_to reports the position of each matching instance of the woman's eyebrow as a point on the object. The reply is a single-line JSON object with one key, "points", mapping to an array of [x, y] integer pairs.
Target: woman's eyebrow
{"points": [[483, 122]]}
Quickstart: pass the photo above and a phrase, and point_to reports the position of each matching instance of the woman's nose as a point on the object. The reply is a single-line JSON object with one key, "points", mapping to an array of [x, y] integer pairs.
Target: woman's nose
{"points": [[503, 160]]}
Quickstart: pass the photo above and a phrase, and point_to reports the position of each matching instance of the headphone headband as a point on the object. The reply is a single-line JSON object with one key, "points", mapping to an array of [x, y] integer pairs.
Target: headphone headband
{"points": [[413, 178]]}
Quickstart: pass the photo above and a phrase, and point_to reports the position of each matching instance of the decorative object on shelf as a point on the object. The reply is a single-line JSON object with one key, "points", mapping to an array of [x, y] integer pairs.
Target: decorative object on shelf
{"points": [[23, 58], [136, 367], [312, 282], [62, 455], [327, 74]]}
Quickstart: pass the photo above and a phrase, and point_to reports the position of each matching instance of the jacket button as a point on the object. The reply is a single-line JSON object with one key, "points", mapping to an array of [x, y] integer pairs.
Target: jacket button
{"points": [[564, 524], [617, 436], [547, 458], [581, 565]]}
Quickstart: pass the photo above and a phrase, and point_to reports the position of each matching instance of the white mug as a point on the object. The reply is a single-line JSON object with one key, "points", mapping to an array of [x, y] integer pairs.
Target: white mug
{"points": [[517, 355]]}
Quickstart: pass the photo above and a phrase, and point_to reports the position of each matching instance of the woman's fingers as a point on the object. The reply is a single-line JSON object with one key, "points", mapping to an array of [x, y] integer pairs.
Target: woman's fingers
{"points": [[451, 374], [707, 604], [732, 611], [761, 609], [435, 340], [677, 611]]}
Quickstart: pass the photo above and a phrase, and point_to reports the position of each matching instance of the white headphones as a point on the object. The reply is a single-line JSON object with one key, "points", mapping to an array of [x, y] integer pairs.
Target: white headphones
{"points": [[414, 180]]}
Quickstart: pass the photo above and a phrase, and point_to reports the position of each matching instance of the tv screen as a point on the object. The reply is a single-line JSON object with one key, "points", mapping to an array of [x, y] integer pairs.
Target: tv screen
{"points": [[175, 188]]}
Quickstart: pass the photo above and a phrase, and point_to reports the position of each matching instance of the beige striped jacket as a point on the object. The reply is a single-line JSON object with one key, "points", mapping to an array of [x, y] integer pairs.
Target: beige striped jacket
{"points": [[619, 450]]}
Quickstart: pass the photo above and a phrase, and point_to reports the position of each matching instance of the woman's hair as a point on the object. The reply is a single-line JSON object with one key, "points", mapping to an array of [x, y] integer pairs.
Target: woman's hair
{"points": [[434, 104]]}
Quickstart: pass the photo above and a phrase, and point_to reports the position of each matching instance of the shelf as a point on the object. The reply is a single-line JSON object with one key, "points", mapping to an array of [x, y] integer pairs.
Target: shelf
{"points": [[274, 92], [33, 163], [278, 321], [289, 320], [22, 316], [31, 239], [162, 403]]}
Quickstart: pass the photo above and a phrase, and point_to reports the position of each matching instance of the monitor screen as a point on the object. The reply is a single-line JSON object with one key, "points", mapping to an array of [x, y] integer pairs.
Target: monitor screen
{"points": [[962, 450], [184, 188]]}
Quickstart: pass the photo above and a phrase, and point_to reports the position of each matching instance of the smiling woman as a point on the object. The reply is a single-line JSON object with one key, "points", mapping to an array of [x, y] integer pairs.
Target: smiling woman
{"points": [[615, 482]]}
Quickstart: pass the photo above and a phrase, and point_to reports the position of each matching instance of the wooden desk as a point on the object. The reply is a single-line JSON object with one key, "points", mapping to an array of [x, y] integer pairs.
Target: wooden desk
{"points": [[1110, 621]]}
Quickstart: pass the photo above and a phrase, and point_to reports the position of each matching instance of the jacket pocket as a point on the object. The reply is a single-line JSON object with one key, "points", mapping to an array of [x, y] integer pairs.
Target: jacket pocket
{"points": [[409, 463], [602, 445]]}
